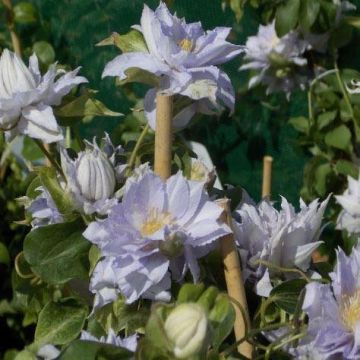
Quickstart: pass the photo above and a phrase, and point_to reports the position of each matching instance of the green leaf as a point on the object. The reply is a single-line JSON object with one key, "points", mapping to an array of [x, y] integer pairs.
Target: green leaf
{"points": [[321, 178], [190, 293], [326, 118], [286, 294], [45, 52], [90, 350], [84, 106], [25, 13], [353, 21], [139, 75], [133, 41], [60, 323], [58, 253], [207, 298], [300, 123], [222, 318], [237, 6], [347, 168], [339, 138], [30, 150], [287, 17], [308, 13], [4, 254]]}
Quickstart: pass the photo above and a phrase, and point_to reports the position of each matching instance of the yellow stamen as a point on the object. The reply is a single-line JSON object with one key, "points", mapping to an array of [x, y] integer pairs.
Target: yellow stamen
{"points": [[186, 44], [350, 310], [154, 222], [198, 171]]}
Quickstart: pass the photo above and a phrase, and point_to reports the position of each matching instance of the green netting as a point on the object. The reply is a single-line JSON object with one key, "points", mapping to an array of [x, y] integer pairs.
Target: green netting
{"points": [[236, 145]]}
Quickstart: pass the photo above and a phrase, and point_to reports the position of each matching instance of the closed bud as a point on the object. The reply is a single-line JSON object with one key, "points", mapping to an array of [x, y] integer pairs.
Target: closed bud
{"points": [[15, 77], [186, 327], [95, 175]]}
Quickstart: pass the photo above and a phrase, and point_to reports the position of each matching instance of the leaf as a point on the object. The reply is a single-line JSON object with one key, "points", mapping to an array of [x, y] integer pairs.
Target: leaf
{"points": [[25, 13], [339, 138], [139, 75], [353, 21], [222, 318], [326, 118], [207, 298], [300, 123], [85, 106], [30, 150], [309, 11], [133, 41], [287, 16], [45, 52], [190, 293], [347, 168], [286, 294], [61, 322], [58, 253], [237, 6], [321, 176], [91, 350]]}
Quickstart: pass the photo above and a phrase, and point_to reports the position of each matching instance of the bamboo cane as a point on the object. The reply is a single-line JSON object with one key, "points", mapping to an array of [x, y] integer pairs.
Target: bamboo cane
{"points": [[267, 176], [163, 135], [235, 284]]}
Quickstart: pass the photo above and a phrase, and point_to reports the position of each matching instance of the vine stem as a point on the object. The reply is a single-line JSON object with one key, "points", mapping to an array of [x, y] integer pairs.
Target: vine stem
{"points": [[51, 159], [11, 26], [347, 100], [137, 147]]}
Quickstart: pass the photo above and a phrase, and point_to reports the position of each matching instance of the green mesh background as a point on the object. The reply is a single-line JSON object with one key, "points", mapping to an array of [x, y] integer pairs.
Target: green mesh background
{"points": [[236, 145]]}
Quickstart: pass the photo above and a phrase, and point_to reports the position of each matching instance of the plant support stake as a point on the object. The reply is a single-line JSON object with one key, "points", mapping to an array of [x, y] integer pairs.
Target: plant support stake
{"points": [[267, 175], [235, 284], [163, 135]]}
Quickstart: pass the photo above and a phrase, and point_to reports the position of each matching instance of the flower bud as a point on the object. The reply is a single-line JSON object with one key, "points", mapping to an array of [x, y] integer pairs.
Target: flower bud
{"points": [[95, 175], [186, 327], [14, 75]]}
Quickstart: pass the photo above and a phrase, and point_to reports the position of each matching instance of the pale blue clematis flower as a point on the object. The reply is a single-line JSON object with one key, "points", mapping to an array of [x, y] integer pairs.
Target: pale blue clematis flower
{"points": [[27, 97], [185, 58], [279, 62], [283, 238], [158, 231], [43, 210], [334, 310], [128, 343], [349, 217]]}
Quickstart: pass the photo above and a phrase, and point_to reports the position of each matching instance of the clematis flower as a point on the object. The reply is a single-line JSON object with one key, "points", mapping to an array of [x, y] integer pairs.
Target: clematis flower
{"points": [[334, 310], [158, 231], [129, 343], [279, 62], [283, 238], [92, 176], [27, 97], [185, 58], [349, 217], [43, 210]]}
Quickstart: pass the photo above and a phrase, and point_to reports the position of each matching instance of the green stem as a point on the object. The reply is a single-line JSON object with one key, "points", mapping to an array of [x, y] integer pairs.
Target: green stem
{"points": [[136, 149], [347, 101], [49, 156]]}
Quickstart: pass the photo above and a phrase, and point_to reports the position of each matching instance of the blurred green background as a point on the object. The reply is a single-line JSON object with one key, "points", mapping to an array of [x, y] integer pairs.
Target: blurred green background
{"points": [[236, 144]]}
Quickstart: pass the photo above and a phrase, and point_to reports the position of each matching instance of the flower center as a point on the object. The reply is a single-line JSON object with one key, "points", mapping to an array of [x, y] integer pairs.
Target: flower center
{"points": [[274, 41], [198, 172], [155, 221], [186, 44], [350, 310]]}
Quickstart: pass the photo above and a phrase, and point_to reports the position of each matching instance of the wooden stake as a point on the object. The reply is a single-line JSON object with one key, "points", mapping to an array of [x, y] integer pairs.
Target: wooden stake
{"points": [[163, 135], [11, 26], [267, 174], [234, 283]]}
